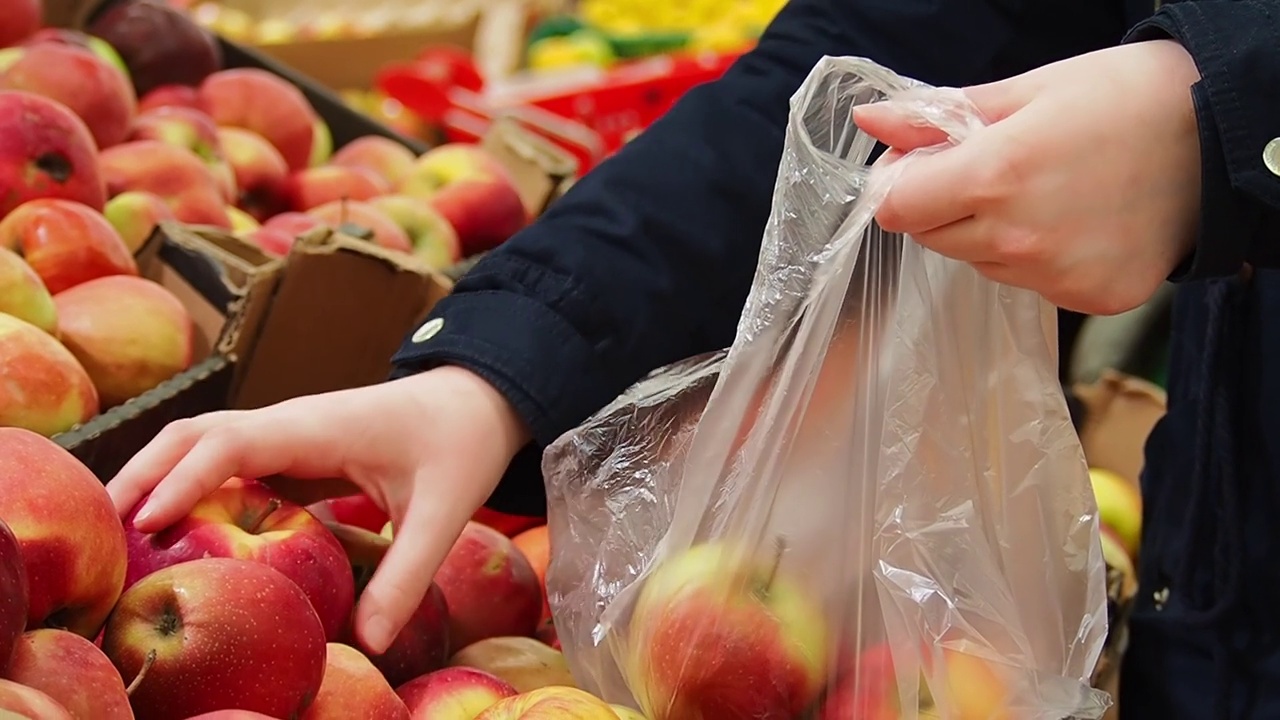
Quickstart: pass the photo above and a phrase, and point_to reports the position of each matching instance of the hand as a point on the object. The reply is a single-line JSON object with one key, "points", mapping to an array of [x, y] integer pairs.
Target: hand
{"points": [[428, 449], [1085, 187]]}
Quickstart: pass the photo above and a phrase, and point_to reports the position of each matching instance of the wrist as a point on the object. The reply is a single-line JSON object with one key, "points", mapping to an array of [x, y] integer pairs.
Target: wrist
{"points": [[479, 397]]}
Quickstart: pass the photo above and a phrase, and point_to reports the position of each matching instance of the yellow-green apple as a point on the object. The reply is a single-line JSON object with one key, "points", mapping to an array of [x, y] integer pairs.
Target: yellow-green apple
{"points": [[364, 221], [72, 671], [66, 243], [19, 19], [718, 633], [353, 688], [217, 634], [191, 129], [272, 241], [260, 172], [43, 388], [241, 221], [1119, 506], [312, 187], [19, 702], [473, 191], [23, 294], [388, 158], [45, 152], [244, 519], [170, 96], [159, 43], [526, 663], [625, 713], [321, 142], [357, 510], [554, 703], [256, 100], [71, 536], [457, 693], [13, 594], [76, 77], [135, 215], [129, 333], [490, 588], [175, 174], [433, 238], [422, 645], [76, 38]]}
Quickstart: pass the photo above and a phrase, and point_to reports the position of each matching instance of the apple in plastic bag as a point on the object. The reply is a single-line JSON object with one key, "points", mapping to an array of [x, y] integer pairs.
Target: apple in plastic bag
{"points": [[716, 633]]}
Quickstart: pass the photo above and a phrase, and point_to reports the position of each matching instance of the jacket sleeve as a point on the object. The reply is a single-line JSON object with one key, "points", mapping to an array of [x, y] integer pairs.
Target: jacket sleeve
{"points": [[649, 258], [1236, 46]]}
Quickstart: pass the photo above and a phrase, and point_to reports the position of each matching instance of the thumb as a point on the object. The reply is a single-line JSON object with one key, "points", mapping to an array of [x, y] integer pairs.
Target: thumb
{"points": [[900, 128]]}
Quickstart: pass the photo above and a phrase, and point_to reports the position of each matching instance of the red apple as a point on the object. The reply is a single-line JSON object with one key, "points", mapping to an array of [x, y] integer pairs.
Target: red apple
{"points": [[509, 525], [217, 634], [256, 100], [170, 96], [18, 20], [355, 510], [66, 243], [365, 221], [43, 388], [555, 703], [13, 594], [472, 190], [244, 519], [76, 77], [312, 187], [293, 223], [191, 129], [489, 587], [388, 158], [422, 645], [433, 238], [23, 294], [82, 40], [129, 333], [272, 241], [135, 215], [71, 537], [456, 693], [353, 688], [865, 687], [173, 173], [548, 635], [45, 152], [260, 172], [161, 44], [20, 702], [232, 715], [72, 671]]}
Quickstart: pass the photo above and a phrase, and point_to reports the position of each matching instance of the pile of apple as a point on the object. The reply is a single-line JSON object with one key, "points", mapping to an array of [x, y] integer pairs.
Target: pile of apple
{"points": [[246, 605]]}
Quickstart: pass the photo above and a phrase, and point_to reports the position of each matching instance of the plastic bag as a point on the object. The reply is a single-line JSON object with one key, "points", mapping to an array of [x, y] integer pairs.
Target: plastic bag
{"points": [[873, 506]]}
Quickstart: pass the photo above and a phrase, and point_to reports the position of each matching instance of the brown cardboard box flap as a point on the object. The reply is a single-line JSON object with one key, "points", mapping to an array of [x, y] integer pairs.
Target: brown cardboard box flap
{"points": [[1120, 412], [537, 166]]}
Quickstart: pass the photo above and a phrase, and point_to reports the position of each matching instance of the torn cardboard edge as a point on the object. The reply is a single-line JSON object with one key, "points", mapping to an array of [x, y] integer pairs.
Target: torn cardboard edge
{"points": [[1120, 412]]}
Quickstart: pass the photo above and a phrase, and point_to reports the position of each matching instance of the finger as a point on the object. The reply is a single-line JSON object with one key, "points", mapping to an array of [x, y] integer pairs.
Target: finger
{"points": [[306, 491], [937, 189], [145, 469], [968, 240], [424, 536], [896, 127]]}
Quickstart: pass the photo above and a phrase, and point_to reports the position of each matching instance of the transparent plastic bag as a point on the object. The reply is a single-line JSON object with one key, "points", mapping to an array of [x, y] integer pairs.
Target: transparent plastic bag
{"points": [[872, 507]]}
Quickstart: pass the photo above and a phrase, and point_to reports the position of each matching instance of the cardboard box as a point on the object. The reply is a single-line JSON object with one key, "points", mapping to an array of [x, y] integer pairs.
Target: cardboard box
{"points": [[226, 286]]}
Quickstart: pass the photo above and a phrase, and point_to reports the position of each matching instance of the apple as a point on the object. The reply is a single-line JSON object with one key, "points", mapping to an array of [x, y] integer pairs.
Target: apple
{"points": [[716, 634], [256, 100], [86, 84], [19, 19], [72, 671], [71, 536], [547, 633], [294, 223], [866, 687], [175, 174], [552, 703], [357, 510], [170, 96], [509, 525], [625, 713], [13, 594], [972, 688], [244, 519], [19, 702], [433, 238], [353, 688], [231, 23], [159, 43], [45, 152], [129, 333], [489, 586], [46, 390], [384, 156], [259, 169], [535, 545], [422, 645], [1119, 561], [1119, 506], [321, 143], [312, 187], [241, 222], [364, 221], [66, 243], [135, 214], [84, 41], [193, 130], [457, 693], [526, 663], [232, 715], [23, 294], [217, 634], [472, 190], [272, 241]]}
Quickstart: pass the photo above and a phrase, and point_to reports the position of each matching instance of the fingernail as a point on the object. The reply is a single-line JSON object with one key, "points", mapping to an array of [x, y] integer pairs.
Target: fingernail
{"points": [[144, 514], [377, 633]]}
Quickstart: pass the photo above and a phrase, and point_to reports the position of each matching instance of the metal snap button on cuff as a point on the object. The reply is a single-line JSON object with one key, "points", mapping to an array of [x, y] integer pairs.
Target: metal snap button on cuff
{"points": [[429, 329], [1271, 156]]}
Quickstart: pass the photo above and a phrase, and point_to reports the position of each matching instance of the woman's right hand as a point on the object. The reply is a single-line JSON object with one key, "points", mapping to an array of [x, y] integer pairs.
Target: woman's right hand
{"points": [[429, 449]]}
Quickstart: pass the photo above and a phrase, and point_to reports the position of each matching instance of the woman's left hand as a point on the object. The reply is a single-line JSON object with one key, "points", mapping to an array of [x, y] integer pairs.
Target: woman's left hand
{"points": [[1085, 187]]}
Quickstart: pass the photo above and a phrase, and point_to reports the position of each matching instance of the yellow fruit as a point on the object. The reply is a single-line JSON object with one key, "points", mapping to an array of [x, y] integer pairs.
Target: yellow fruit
{"points": [[625, 713], [1119, 507], [720, 38], [1114, 554]]}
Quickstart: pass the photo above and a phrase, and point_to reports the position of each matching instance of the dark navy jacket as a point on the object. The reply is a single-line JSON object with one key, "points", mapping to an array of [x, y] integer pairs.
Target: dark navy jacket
{"points": [[649, 259]]}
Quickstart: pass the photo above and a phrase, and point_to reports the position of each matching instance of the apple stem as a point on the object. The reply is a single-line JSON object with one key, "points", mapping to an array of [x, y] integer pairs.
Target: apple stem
{"points": [[142, 672], [272, 505], [780, 547]]}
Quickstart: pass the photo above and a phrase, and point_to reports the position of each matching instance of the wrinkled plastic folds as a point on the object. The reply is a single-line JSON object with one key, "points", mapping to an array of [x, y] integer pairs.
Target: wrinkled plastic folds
{"points": [[872, 506]]}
